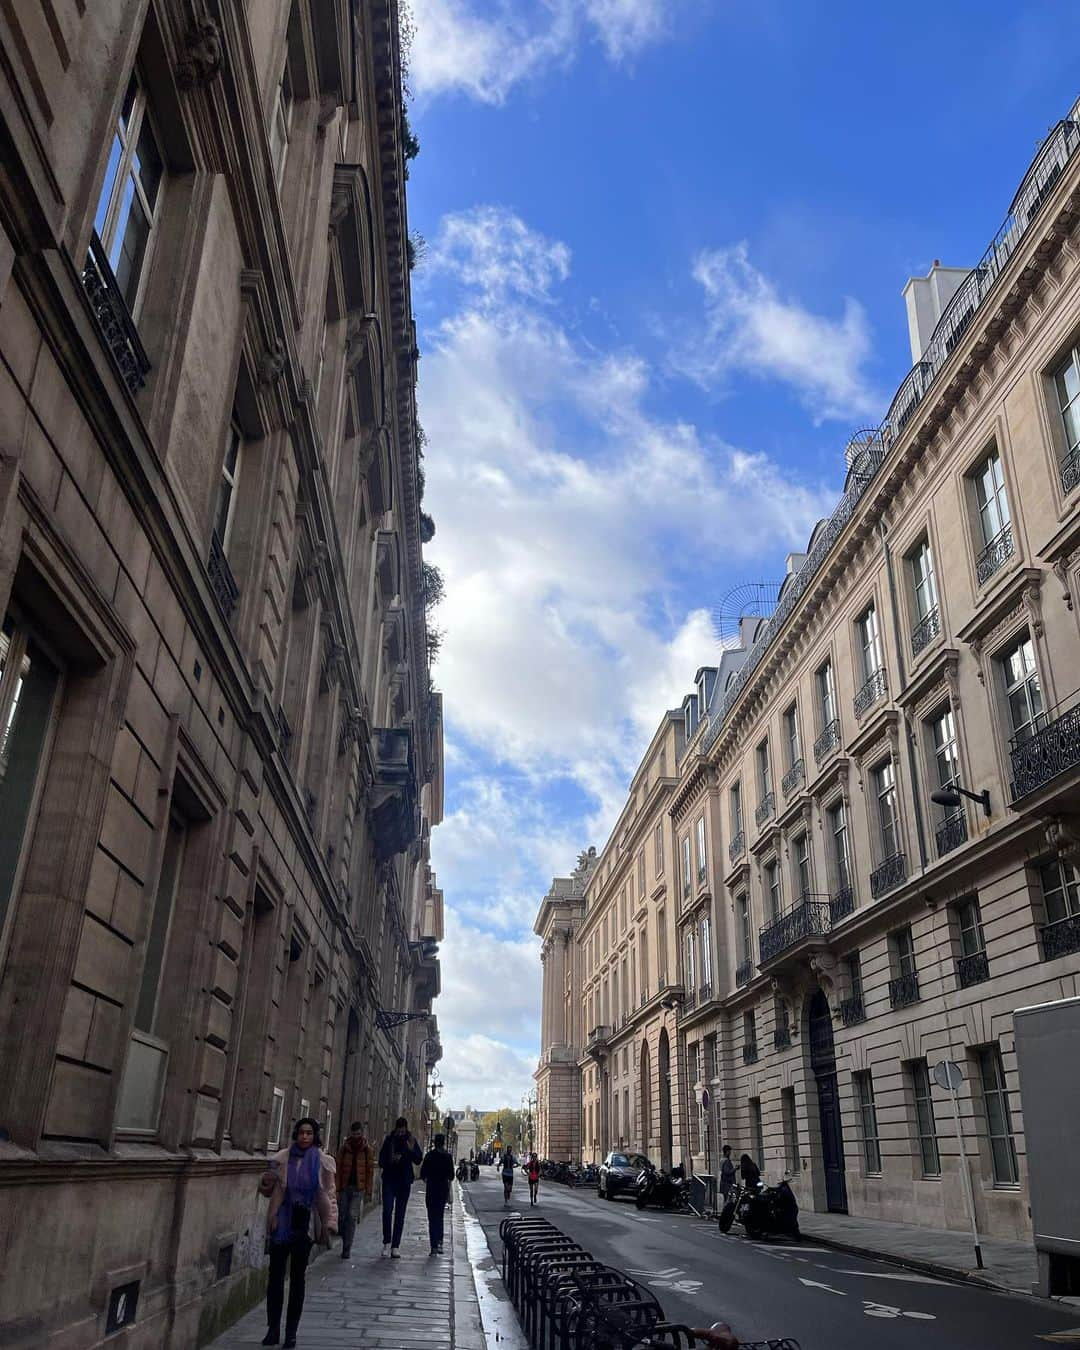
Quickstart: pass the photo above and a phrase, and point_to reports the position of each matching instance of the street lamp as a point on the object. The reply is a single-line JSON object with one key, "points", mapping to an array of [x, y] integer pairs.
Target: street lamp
{"points": [[950, 796]]}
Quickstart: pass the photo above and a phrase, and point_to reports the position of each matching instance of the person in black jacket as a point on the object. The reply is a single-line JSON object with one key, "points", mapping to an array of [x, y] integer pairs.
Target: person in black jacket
{"points": [[436, 1172], [749, 1171], [396, 1158]]}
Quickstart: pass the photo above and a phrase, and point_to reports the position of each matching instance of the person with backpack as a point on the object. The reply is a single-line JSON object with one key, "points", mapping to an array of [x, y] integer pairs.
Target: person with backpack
{"points": [[437, 1172], [509, 1162], [396, 1158], [532, 1171], [355, 1178]]}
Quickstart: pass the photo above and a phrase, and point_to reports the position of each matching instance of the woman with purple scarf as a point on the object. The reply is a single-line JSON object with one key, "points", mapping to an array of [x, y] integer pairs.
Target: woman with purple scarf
{"points": [[303, 1211]]}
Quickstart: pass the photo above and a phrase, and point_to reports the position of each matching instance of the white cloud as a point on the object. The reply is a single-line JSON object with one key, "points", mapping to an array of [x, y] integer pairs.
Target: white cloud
{"points": [[494, 251], [485, 1073], [484, 57], [753, 329]]}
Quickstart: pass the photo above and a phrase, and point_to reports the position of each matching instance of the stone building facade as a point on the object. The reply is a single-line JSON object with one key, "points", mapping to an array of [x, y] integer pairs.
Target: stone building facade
{"points": [[839, 932], [222, 755]]}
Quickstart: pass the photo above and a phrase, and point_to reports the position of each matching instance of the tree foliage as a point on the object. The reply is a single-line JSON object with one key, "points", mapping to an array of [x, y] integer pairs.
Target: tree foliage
{"points": [[512, 1126]]}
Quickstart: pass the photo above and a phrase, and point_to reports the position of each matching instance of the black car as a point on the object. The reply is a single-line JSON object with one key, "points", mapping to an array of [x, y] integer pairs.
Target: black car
{"points": [[619, 1174]]}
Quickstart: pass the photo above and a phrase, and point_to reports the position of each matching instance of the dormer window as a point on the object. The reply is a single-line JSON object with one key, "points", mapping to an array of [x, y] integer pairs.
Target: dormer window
{"points": [[689, 717]]}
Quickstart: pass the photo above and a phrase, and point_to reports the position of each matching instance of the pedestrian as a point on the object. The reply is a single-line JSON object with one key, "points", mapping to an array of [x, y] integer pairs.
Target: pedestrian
{"points": [[303, 1211], [355, 1179], [436, 1172], [749, 1171], [532, 1171], [396, 1158], [509, 1162], [727, 1173]]}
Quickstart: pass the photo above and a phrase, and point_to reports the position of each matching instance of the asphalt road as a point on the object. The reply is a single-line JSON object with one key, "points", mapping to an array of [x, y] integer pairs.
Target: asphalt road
{"points": [[827, 1300]]}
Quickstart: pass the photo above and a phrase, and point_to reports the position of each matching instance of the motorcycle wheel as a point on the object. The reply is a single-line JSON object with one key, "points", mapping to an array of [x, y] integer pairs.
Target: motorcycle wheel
{"points": [[727, 1217]]}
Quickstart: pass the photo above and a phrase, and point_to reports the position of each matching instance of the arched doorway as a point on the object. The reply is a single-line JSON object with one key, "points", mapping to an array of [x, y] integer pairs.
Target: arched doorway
{"points": [[645, 1082], [823, 1063], [665, 1101]]}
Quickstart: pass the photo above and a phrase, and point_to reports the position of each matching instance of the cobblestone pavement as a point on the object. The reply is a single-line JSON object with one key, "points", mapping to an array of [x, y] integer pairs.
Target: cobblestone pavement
{"points": [[371, 1303]]}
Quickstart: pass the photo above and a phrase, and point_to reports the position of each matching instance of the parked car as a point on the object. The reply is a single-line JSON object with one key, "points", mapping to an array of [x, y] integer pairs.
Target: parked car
{"points": [[619, 1174]]}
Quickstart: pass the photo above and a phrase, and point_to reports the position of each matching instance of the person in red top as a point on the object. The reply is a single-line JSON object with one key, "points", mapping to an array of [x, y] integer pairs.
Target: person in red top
{"points": [[532, 1171]]}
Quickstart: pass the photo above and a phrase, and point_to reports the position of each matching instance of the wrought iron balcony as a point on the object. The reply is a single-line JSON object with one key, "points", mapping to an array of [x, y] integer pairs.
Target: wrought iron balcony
{"points": [[1070, 470], [973, 969], [904, 990], [765, 808], [689, 1002], [951, 833], [875, 687], [827, 742], [392, 810], [925, 631], [749, 1052], [701, 874], [705, 993], [794, 776], [1061, 938], [597, 1039], [781, 1038], [852, 1010], [891, 873], [112, 317], [841, 904], [737, 846], [1050, 751], [744, 972], [809, 919], [997, 552], [222, 581]]}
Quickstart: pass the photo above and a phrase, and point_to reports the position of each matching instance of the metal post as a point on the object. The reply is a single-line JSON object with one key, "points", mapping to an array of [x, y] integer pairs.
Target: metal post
{"points": [[969, 1195]]}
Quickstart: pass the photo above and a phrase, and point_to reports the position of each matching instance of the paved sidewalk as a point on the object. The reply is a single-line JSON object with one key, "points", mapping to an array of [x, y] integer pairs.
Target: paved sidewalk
{"points": [[368, 1303], [1008, 1265]]}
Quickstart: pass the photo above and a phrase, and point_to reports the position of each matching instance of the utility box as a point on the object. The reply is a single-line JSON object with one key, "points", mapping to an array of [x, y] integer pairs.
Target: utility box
{"points": [[1048, 1054]]}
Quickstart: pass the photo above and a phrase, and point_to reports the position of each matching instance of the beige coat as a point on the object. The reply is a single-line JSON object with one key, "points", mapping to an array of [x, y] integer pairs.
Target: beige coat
{"points": [[275, 1179]]}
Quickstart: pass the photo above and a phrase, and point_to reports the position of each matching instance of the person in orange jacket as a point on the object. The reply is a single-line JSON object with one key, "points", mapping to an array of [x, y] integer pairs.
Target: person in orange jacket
{"points": [[355, 1181]]}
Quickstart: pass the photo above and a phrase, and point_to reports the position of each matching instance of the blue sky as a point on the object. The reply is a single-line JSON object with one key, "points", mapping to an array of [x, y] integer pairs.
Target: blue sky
{"points": [[665, 249]]}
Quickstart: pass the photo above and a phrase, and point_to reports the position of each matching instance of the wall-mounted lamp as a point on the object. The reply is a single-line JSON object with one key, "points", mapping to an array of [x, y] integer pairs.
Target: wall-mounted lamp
{"points": [[950, 796]]}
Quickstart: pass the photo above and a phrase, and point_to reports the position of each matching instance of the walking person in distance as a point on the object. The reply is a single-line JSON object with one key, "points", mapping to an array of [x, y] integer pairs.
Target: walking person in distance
{"points": [[437, 1172], [398, 1154], [727, 1173], [509, 1162], [532, 1171], [355, 1179], [303, 1211]]}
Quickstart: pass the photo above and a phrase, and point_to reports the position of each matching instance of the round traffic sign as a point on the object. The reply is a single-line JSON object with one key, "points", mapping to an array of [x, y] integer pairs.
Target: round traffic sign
{"points": [[948, 1074]]}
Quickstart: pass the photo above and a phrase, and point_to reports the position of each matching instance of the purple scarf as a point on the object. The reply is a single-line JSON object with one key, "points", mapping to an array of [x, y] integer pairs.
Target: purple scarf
{"points": [[301, 1188]]}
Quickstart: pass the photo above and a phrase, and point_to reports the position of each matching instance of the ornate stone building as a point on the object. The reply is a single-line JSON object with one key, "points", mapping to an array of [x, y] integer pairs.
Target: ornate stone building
{"points": [[840, 931], [221, 756]]}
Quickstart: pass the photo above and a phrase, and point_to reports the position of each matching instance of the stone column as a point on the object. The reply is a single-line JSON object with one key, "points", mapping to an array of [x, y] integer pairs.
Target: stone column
{"points": [[545, 1002], [558, 983]]}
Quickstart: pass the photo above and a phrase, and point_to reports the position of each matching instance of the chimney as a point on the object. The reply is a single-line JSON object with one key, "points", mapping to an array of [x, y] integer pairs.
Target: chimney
{"points": [[926, 298]]}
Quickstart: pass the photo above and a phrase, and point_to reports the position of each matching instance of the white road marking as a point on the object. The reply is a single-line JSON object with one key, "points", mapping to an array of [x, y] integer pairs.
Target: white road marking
{"points": [[888, 1310], [815, 1284], [883, 1275]]}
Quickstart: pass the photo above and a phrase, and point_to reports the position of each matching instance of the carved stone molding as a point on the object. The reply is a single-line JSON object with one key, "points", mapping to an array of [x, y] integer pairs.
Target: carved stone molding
{"points": [[328, 105], [826, 968], [1063, 836], [1061, 571], [203, 52], [271, 363]]}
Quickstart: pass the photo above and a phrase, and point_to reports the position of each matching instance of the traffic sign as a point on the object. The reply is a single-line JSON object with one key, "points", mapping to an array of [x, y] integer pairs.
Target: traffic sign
{"points": [[948, 1074], [705, 1099]]}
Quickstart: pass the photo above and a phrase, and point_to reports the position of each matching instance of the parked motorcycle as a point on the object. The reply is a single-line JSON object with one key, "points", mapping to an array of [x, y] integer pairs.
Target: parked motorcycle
{"points": [[763, 1211], [667, 1190]]}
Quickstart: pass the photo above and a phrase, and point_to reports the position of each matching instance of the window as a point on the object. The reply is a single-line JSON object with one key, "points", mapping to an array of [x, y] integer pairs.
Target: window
{"points": [[854, 974], [791, 736], [641, 875], [923, 581], [998, 1117], [826, 687], [661, 944], [277, 1115], [946, 759], [839, 845], [691, 965], [801, 855], [925, 1125], [990, 498], [903, 947], [791, 1129], [742, 928], [281, 124], [230, 476], [774, 899], [1061, 890], [867, 1118], [757, 1133], [706, 953], [869, 643], [658, 850], [764, 771], [750, 1029], [643, 963], [130, 196], [701, 848], [736, 809], [888, 819], [1067, 385], [1023, 694], [969, 923], [686, 866]]}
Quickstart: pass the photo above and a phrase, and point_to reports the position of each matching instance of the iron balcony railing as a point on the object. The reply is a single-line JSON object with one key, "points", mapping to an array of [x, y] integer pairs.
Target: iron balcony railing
{"points": [[951, 833], [867, 450], [1061, 938], [701, 872], [852, 1010], [925, 631], [744, 972], [1070, 470], [828, 741], [997, 552], [904, 990], [809, 919], [973, 969], [705, 992], [112, 317], [749, 1052], [794, 776], [766, 808], [875, 687], [841, 904], [1051, 750], [891, 873], [689, 1000], [737, 846], [222, 581], [781, 1038]]}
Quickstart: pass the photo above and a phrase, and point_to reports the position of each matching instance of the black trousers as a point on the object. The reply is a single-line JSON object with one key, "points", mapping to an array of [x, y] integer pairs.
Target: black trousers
{"points": [[293, 1253], [436, 1199]]}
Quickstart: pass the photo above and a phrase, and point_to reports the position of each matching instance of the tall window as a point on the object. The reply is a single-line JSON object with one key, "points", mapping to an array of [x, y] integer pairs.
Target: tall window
{"points": [[230, 477], [868, 1126], [736, 809], [686, 866], [969, 922], [998, 1117], [854, 974], [839, 844], [750, 1028], [801, 854], [774, 899], [661, 944], [764, 771], [1023, 693], [1061, 890], [791, 736], [946, 756], [643, 962], [757, 1133], [1067, 384], [869, 643], [884, 780], [923, 581], [641, 875], [903, 945], [706, 953], [791, 1129], [925, 1125], [701, 860], [691, 964], [658, 849], [742, 928], [990, 498], [127, 210], [826, 690], [281, 123]]}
